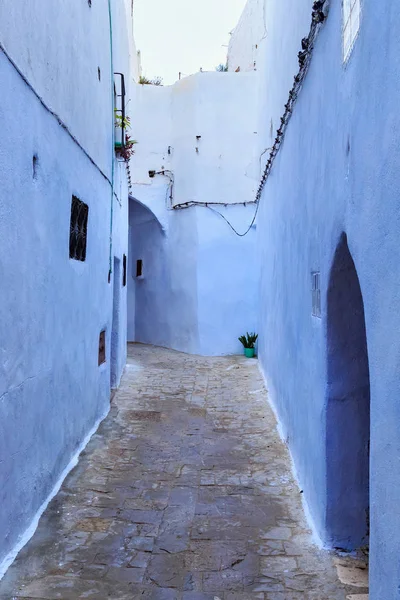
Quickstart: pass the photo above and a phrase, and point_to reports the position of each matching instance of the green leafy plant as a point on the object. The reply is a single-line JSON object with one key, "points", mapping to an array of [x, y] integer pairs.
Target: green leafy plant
{"points": [[143, 80], [222, 68], [121, 121], [248, 340], [127, 150]]}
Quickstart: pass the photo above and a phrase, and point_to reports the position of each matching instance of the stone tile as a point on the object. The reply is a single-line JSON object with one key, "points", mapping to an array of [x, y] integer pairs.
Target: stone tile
{"points": [[278, 533], [160, 594], [349, 574], [225, 580], [197, 596], [278, 564], [184, 493], [140, 560], [166, 570], [94, 524], [284, 596], [126, 575], [141, 543], [243, 596]]}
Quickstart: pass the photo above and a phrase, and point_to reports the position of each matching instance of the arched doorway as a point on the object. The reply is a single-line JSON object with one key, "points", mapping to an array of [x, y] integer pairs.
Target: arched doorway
{"points": [[148, 278], [348, 406]]}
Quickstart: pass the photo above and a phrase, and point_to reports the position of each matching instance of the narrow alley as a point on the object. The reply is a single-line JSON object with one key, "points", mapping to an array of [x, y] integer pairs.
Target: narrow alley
{"points": [[185, 492]]}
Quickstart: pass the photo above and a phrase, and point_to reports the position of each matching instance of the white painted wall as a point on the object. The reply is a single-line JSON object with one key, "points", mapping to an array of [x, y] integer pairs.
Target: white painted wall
{"points": [[218, 167], [218, 107], [247, 37], [205, 275], [152, 128]]}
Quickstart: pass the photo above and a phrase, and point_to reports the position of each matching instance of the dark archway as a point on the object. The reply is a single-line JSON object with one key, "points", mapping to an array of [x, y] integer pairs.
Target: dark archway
{"points": [[348, 406], [148, 283]]}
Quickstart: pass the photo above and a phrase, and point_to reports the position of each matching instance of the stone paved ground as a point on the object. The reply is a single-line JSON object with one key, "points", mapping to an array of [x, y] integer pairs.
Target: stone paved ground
{"points": [[184, 493]]}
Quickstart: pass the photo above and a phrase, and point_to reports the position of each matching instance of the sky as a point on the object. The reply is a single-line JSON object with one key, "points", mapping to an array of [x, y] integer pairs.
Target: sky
{"points": [[183, 35]]}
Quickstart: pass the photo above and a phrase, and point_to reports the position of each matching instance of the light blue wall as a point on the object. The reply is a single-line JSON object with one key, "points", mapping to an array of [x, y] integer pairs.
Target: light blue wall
{"points": [[336, 171], [200, 281], [52, 309], [227, 279]]}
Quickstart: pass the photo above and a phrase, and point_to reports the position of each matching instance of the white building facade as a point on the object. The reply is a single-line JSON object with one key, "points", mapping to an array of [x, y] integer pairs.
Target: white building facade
{"points": [[193, 282]]}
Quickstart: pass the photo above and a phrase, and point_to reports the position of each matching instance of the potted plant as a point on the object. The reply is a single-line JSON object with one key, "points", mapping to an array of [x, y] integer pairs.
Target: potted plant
{"points": [[248, 342], [125, 147]]}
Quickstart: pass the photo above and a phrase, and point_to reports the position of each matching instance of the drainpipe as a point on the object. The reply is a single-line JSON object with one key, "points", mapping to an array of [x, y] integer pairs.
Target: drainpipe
{"points": [[112, 137]]}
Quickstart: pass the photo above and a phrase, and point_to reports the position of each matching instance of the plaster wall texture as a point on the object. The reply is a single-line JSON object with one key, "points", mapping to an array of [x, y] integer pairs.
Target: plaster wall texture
{"points": [[198, 292], [152, 128], [219, 108], [247, 37], [214, 132], [52, 390], [337, 171]]}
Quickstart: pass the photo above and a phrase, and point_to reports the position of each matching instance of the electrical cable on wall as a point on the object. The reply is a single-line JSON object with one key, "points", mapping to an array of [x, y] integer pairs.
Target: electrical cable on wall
{"points": [[230, 224], [51, 112], [319, 15]]}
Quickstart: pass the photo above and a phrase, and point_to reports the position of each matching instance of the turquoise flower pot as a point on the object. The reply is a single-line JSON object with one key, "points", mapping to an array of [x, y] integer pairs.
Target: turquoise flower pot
{"points": [[249, 352]]}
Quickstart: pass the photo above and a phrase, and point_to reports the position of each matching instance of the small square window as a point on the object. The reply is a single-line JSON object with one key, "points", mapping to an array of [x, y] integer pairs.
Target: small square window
{"points": [[102, 348], [78, 229], [316, 294], [351, 25], [139, 268]]}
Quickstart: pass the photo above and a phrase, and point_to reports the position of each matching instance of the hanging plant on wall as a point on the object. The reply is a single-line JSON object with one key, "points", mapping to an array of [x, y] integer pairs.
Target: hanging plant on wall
{"points": [[126, 148]]}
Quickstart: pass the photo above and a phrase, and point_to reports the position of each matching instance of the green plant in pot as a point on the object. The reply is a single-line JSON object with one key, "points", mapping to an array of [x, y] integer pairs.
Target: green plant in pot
{"points": [[248, 342]]}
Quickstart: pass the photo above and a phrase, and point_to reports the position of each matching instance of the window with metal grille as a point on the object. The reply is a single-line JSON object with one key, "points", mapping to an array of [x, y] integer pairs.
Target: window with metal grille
{"points": [[78, 229], [102, 348], [316, 293], [351, 25]]}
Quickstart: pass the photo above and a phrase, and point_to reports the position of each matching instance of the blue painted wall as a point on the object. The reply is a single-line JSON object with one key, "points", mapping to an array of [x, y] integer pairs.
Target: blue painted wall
{"points": [[199, 289], [337, 171], [52, 309]]}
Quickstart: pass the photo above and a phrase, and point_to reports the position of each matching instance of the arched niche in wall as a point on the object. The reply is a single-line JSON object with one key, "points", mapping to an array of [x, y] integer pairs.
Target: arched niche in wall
{"points": [[148, 277], [348, 406]]}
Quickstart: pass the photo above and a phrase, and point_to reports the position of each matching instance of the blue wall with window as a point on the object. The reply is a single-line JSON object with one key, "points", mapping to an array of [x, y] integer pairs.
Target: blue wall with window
{"points": [[337, 173], [55, 299]]}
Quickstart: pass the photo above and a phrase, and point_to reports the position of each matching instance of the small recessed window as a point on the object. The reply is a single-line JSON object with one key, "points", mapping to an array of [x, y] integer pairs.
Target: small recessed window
{"points": [[351, 25], [35, 164], [89, 2], [124, 270], [102, 347], [99, 73], [139, 268], [316, 293], [78, 229]]}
